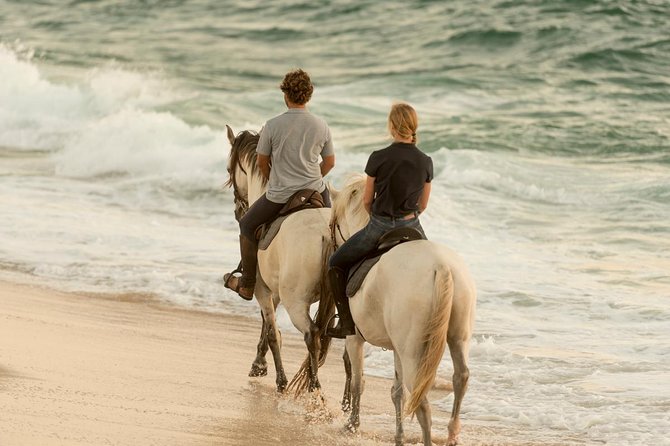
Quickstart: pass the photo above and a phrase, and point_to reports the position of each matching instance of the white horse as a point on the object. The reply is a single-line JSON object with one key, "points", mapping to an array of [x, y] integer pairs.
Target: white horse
{"points": [[290, 270], [416, 300]]}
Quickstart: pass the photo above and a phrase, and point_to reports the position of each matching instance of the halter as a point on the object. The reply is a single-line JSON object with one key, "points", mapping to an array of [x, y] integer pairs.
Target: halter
{"points": [[241, 203]]}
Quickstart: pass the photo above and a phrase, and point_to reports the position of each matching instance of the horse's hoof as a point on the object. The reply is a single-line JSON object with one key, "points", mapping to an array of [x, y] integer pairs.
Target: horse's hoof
{"points": [[350, 428], [281, 386], [257, 370]]}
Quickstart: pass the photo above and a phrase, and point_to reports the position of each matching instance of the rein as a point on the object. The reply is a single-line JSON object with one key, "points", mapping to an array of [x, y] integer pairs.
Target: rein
{"points": [[333, 236]]}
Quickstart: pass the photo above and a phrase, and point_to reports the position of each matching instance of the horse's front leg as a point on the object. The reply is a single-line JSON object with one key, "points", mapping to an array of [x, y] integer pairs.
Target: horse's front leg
{"points": [[260, 364], [354, 347], [346, 398], [264, 297]]}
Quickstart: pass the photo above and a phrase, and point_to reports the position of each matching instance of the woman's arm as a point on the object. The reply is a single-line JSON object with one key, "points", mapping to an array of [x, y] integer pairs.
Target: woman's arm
{"points": [[369, 194], [425, 195]]}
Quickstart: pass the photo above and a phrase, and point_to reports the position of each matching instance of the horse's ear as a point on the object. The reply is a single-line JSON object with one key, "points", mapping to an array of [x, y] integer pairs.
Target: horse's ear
{"points": [[231, 134]]}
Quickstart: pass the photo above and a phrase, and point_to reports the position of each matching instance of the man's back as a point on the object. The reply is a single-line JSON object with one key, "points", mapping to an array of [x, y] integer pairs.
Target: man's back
{"points": [[294, 140]]}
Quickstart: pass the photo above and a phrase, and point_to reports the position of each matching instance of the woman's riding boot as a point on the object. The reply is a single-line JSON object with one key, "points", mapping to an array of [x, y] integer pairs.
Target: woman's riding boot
{"points": [[249, 253], [338, 285]]}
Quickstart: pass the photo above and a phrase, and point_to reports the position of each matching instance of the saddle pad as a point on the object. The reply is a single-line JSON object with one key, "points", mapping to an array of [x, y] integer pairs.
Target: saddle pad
{"points": [[358, 272], [303, 199], [268, 233]]}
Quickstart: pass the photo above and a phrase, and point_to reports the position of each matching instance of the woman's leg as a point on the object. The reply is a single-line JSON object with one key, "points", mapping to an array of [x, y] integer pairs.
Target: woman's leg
{"points": [[358, 245]]}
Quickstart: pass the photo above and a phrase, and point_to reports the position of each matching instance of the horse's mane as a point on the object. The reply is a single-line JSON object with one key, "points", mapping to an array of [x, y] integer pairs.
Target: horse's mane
{"points": [[244, 150], [350, 199]]}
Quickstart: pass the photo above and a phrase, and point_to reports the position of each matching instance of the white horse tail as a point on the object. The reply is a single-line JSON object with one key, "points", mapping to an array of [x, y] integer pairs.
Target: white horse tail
{"points": [[322, 319], [435, 338]]}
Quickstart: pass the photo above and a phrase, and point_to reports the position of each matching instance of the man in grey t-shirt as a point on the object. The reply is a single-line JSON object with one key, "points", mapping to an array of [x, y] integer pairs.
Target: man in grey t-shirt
{"points": [[292, 144], [289, 149]]}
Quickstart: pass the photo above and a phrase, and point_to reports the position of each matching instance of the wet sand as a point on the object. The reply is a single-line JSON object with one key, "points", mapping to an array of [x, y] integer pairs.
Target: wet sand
{"points": [[127, 370]]}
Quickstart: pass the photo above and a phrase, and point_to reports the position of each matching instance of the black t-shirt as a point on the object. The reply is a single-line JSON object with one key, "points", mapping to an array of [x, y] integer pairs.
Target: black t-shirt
{"points": [[401, 170]]}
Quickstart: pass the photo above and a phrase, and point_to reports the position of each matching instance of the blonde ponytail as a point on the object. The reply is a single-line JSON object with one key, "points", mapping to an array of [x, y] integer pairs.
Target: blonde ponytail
{"points": [[403, 121]]}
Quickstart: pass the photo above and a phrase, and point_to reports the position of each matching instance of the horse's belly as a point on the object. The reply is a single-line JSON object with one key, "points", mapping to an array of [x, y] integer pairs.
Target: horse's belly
{"points": [[369, 323]]}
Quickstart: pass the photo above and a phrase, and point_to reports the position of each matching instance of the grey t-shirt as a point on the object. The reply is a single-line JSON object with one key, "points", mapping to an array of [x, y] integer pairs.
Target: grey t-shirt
{"points": [[294, 140]]}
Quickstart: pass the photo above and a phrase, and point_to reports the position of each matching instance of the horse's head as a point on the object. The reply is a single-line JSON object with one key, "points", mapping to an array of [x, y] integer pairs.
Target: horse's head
{"points": [[348, 212], [242, 167]]}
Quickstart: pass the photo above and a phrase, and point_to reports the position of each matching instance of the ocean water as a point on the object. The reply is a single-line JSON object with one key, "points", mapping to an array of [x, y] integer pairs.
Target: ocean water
{"points": [[548, 123]]}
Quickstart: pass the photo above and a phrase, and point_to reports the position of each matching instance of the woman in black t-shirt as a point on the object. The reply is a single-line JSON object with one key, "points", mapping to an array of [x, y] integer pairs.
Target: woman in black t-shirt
{"points": [[396, 192]]}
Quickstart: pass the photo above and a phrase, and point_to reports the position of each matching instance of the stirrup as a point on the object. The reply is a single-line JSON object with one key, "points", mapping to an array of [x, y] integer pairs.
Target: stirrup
{"points": [[226, 282], [339, 331]]}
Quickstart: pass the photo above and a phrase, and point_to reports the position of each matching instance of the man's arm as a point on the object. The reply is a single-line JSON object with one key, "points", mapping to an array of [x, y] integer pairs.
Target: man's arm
{"points": [[327, 164], [263, 163]]}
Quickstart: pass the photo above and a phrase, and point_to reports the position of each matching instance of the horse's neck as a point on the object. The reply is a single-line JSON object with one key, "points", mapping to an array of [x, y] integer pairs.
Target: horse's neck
{"points": [[357, 218]]}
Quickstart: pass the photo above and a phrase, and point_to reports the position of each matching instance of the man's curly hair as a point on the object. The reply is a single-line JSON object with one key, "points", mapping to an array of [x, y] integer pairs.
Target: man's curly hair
{"points": [[297, 86]]}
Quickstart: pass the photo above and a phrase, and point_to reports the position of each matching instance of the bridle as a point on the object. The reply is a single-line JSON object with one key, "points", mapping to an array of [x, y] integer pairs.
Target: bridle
{"points": [[241, 203]]}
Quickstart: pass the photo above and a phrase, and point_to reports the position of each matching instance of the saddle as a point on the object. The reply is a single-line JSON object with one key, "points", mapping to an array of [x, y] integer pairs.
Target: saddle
{"points": [[389, 240], [303, 199]]}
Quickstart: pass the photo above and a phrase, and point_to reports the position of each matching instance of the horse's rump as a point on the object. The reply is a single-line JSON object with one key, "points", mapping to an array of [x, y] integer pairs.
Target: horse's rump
{"points": [[397, 299], [391, 239]]}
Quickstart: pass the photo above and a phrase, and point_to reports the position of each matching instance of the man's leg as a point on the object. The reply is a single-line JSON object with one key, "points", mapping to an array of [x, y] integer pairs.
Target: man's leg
{"points": [[262, 211]]}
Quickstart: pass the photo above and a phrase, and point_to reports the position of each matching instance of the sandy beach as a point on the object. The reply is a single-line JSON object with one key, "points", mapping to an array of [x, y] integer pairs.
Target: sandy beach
{"points": [[127, 370]]}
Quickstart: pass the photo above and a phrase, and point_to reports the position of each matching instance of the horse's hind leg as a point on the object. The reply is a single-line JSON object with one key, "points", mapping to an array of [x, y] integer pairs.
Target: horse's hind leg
{"points": [[398, 397], [459, 357], [410, 368], [423, 415], [313, 347], [260, 364], [299, 315], [264, 297], [346, 398]]}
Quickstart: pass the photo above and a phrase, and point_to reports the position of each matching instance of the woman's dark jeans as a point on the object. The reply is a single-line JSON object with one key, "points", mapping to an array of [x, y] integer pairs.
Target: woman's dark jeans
{"points": [[365, 240]]}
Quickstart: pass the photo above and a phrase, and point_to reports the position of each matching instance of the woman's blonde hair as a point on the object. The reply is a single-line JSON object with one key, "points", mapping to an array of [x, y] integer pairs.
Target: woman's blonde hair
{"points": [[403, 121]]}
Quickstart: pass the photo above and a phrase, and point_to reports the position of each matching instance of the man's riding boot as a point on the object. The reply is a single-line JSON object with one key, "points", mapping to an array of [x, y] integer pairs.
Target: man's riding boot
{"points": [[249, 253], [338, 285]]}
